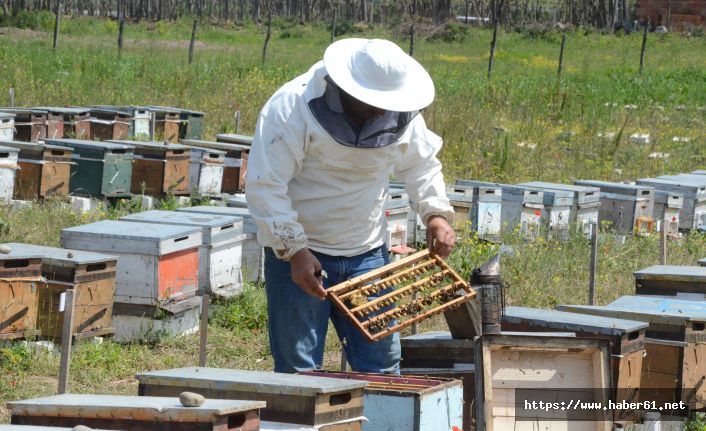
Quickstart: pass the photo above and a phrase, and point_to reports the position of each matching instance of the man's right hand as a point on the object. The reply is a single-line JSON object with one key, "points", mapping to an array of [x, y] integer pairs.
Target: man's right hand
{"points": [[305, 266]]}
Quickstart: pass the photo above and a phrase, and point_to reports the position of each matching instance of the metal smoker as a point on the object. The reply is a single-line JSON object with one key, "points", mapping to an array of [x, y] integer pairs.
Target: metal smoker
{"points": [[487, 281]]}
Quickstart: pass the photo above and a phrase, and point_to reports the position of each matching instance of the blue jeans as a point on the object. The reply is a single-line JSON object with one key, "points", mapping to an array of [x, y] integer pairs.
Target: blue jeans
{"points": [[298, 322]]}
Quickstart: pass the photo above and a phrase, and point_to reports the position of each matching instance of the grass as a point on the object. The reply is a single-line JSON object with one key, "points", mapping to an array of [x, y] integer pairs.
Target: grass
{"points": [[525, 125]]}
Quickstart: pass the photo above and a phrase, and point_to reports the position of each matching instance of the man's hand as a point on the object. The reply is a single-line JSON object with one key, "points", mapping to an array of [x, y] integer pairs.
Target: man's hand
{"points": [[305, 267], [440, 236]]}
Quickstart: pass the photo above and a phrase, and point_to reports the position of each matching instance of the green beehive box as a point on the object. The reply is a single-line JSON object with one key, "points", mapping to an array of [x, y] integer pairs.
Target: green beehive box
{"points": [[102, 169]]}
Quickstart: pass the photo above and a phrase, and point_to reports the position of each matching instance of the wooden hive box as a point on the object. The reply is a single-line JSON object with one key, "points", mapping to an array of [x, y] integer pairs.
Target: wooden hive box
{"points": [[8, 168], [44, 170], [629, 208], [668, 205], [90, 275], [626, 337], [30, 123], [159, 168], [101, 169], [20, 283], [511, 369], [236, 162], [77, 122], [486, 210], [673, 368], [672, 280], [556, 216], [693, 188], [206, 171], [165, 123], [253, 253], [192, 123], [438, 354], [115, 412], [585, 205], [290, 398], [220, 255], [139, 122], [413, 403], [7, 126], [521, 206], [156, 265], [109, 123]]}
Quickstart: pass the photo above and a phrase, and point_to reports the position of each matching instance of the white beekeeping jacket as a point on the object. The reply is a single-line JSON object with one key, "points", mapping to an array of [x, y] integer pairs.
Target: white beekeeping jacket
{"points": [[304, 189]]}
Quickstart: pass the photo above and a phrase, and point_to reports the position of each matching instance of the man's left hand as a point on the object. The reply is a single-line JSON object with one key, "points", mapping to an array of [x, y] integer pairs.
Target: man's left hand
{"points": [[440, 236]]}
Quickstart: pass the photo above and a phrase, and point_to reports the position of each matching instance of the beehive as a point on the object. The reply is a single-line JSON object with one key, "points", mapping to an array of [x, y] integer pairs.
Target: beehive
{"points": [[234, 138], [30, 123], [290, 398], [521, 207], [236, 162], [585, 204], [675, 345], [76, 122], [101, 169], [206, 171], [20, 283], [139, 121], [137, 413], [511, 369], [485, 210], [220, 255], [692, 188], [8, 167], [159, 169], [627, 338], [396, 212], [672, 280], [92, 278], [165, 123], [44, 170], [412, 403], [253, 253], [157, 264], [438, 354], [668, 205], [556, 216], [109, 123], [628, 208], [191, 124], [7, 126]]}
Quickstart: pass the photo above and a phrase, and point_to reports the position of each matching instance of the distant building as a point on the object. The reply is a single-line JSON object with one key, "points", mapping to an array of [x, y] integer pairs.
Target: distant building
{"points": [[676, 15]]}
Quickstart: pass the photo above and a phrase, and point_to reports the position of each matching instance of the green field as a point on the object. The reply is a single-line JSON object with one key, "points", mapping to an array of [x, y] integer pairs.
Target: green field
{"points": [[524, 125]]}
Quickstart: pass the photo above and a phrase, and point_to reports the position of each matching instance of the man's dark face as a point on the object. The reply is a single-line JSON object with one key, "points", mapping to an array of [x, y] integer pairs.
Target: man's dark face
{"points": [[359, 112]]}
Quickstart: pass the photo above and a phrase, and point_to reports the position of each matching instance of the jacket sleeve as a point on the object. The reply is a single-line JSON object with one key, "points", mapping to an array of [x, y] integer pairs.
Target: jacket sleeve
{"points": [[420, 170], [275, 158]]}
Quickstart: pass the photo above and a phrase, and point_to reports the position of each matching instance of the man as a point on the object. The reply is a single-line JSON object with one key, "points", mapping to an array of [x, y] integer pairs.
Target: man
{"points": [[325, 146]]}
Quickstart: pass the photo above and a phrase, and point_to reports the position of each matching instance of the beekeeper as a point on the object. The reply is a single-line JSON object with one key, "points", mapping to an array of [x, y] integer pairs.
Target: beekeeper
{"points": [[325, 146]]}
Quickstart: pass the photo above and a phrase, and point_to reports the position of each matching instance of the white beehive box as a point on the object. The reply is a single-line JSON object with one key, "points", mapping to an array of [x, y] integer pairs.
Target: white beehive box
{"points": [[8, 166], [253, 253], [157, 264], [220, 255], [7, 126], [396, 212], [206, 171]]}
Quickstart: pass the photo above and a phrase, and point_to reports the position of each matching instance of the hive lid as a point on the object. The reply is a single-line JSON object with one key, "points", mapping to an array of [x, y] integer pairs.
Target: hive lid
{"points": [[215, 227], [688, 189], [70, 110], [6, 149], [6, 115], [647, 309], [672, 273], [34, 146], [225, 146], [639, 190], [150, 144], [58, 255], [225, 379], [249, 225], [93, 145], [235, 138], [128, 407], [23, 110], [128, 237], [575, 322], [435, 339]]}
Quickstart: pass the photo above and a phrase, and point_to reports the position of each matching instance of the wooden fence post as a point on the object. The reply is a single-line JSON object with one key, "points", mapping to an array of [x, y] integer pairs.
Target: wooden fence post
{"points": [[66, 339], [203, 329], [663, 242], [644, 45], [593, 265], [57, 22]]}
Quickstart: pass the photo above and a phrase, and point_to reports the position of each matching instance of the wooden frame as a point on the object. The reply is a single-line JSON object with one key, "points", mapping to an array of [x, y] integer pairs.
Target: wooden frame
{"points": [[429, 276], [536, 362]]}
